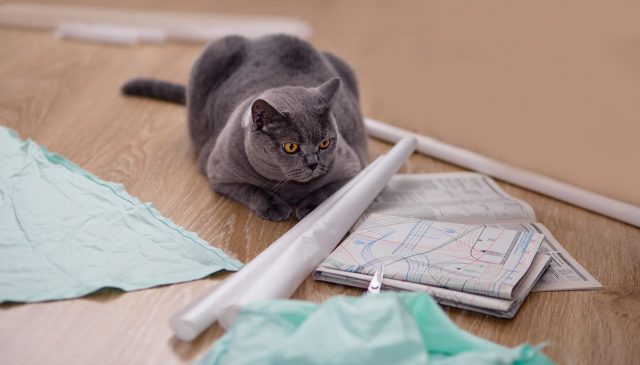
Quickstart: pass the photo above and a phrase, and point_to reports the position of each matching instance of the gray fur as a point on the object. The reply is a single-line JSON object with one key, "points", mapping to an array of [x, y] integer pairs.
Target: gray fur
{"points": [[155, 89], [246, 98]]}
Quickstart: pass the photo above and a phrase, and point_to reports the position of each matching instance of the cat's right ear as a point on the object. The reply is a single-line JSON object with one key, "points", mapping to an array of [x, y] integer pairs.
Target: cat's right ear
{"points": [[262, 113], [328, 89]]}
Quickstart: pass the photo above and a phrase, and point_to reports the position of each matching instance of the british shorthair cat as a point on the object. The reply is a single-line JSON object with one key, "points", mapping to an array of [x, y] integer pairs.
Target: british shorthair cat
{"points": [[276, 124]]}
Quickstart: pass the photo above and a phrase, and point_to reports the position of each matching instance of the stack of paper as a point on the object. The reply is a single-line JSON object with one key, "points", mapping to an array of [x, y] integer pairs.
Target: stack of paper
{"points": [[482, 268], [487, 259]]}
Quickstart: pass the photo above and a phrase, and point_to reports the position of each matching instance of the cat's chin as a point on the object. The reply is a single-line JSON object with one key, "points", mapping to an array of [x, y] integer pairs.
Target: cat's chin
{"points": [[302, 179], [305, 178]]}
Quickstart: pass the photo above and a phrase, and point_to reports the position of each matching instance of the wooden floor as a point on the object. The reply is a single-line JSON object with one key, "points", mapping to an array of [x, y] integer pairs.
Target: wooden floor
{"points": [[65, 96]]}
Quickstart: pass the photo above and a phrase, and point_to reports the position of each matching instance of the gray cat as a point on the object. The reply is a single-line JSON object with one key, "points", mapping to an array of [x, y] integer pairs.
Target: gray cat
{"points": [[276, 124]]}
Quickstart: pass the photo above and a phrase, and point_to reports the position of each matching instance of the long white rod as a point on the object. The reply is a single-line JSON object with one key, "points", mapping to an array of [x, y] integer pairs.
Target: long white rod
{"points": [[193, 319], [539, 183], [281, 278], [181, 26], [196, 317]]}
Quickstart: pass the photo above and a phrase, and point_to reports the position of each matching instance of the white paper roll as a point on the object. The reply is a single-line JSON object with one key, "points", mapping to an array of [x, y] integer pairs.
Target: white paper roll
{"points": [[539, 183], [98, 33], [190, 321], [281, 278], [193, 319]]}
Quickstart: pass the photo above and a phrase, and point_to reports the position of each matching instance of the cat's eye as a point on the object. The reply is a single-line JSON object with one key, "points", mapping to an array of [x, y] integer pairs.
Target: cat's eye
{"points": [[290, 147], [324, 144]]}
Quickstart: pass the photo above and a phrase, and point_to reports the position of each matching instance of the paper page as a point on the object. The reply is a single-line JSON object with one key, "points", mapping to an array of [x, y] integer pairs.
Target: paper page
{"points": [[470, 258], [453, 197], [451, 296], [475, 198], [503, 308], [564, 272]]}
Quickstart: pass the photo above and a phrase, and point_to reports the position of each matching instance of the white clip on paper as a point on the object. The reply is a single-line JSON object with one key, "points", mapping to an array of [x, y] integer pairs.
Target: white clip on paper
{"points": [[376, 282]]}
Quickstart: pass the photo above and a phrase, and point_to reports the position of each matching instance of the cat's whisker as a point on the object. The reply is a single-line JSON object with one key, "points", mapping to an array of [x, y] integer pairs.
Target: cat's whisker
{"points": [[275, 189], [298, 173], [282, 184]]}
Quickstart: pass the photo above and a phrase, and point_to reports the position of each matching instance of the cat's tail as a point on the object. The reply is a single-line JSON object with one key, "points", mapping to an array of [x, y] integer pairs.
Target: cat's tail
{"points": [[156, 89]]}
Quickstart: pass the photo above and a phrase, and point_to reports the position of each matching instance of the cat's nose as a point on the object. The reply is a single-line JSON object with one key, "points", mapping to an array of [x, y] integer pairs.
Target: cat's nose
{"points": [[311, 161]]}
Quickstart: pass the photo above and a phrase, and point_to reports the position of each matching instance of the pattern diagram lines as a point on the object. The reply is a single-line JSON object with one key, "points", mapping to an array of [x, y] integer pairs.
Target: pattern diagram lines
{"points": [[475, 258]]}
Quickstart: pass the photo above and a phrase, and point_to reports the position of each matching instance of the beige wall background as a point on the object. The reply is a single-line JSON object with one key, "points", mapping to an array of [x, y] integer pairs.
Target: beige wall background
{"points": [[552, 86]]}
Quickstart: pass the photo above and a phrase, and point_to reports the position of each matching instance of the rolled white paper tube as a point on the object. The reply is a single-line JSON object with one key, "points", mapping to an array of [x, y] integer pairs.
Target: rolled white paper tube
{"points": [[281, 278], [251, 28], [194, 318], [616, 209], [98, 33]]}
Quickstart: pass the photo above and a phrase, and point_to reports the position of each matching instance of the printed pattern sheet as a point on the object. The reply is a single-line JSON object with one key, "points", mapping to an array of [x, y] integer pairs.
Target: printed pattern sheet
{"points": [[477, 199], [476, 259]]}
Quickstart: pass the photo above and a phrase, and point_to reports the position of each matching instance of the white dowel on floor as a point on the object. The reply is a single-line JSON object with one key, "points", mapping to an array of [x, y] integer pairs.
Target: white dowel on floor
{"points": [[621, 211]]}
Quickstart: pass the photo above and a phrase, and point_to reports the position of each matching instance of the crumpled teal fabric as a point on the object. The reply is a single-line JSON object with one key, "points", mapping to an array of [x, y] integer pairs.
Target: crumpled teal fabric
{"points": [[65, 233], [383, 329]]}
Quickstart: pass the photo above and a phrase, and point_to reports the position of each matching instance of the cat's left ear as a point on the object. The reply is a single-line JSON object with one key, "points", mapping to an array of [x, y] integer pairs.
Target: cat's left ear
{"points": [[329, 89]]}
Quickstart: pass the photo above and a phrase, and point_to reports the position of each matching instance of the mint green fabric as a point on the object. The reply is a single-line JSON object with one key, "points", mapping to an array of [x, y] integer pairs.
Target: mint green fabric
{"points": [[383, 329], [65, 233]]}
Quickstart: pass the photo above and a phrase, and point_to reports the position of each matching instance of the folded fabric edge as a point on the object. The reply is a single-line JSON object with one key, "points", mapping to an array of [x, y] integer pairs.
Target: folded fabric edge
{"points": [[184, 277], [119, 190]]}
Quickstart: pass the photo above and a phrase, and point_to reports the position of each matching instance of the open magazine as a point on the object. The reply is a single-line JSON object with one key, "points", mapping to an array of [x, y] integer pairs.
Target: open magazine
{"points": [[466, 198]]}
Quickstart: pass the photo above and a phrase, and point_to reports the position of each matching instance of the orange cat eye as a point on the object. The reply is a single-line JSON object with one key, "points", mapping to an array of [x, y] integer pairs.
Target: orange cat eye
{"points": [[324, 144], [290, 147]]}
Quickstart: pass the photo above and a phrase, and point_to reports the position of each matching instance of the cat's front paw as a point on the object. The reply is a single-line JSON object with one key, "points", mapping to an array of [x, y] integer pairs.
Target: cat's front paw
{"points": [[302, 212], [306, 206], [273, 209], [316, 198]]}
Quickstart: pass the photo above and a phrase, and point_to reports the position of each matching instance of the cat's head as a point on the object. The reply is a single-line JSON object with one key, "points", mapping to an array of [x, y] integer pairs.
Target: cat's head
{"points": [[291, 133]]}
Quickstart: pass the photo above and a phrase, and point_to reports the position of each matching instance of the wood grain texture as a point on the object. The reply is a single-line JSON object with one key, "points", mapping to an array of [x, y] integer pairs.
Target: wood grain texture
{"points": [[65, 95]]}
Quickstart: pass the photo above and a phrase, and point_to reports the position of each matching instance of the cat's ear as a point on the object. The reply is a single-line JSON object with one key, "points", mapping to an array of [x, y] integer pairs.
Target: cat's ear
{"points": [[262, 114], [329, 89]]}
